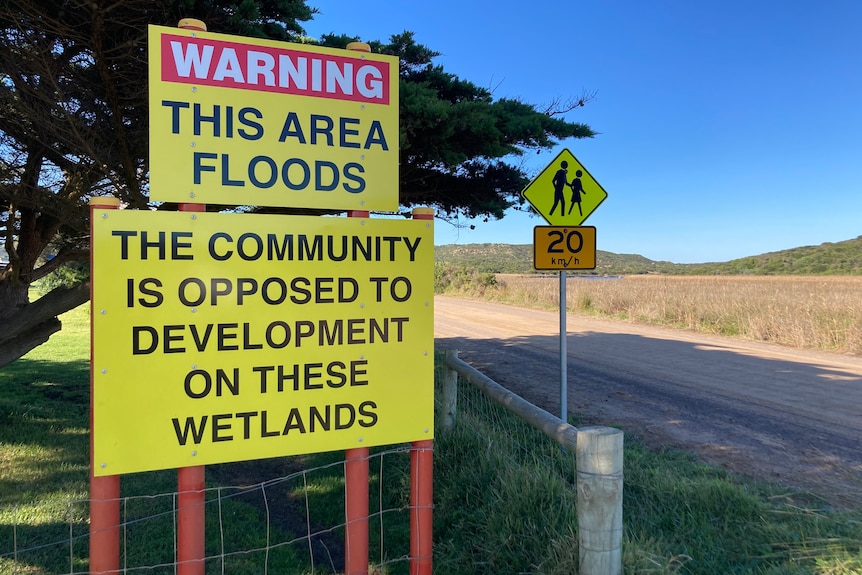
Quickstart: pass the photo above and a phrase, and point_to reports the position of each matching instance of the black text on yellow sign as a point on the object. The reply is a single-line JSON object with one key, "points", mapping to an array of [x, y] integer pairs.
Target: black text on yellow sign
{"points": [[246, 121], [564, 247], [229, 337]]}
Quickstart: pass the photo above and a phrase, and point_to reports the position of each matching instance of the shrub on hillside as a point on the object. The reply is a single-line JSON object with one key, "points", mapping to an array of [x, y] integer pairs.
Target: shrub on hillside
{"points": [[449, 278]]}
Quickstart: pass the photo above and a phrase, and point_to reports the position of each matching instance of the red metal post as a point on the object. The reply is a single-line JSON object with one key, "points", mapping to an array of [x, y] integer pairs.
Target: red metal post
{"points": [[105, 490], [356, 511], [356, 495], [191, 481], [421, 506], [356, 467], [191, 516], [421, 485], [191, 500]]}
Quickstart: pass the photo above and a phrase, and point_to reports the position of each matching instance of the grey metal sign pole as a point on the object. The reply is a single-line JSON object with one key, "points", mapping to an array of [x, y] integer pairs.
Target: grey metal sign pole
{"points": [[560, 246], [564, 408]]}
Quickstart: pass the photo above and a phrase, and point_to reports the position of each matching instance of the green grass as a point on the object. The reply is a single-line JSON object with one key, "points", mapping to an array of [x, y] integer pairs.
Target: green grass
{"points": [[504, 498], [44, 446], [518, 502]]}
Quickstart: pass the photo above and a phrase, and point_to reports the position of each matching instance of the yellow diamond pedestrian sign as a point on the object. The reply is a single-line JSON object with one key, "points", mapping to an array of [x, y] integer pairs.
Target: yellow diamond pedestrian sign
{"points": [[564, 193]]}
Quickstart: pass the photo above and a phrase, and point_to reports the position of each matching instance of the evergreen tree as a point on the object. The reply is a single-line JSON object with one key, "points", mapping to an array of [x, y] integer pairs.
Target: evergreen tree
{"points": [[74, 124]]}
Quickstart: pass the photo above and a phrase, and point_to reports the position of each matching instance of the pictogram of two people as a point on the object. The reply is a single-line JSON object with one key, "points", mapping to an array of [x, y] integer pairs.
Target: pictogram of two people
{"points": [[560, 181]]}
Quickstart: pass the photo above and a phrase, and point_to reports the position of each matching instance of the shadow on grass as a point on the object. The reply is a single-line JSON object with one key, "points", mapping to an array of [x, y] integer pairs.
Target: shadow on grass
{"points": [[55, 547], [61, 387], [44, 407]]}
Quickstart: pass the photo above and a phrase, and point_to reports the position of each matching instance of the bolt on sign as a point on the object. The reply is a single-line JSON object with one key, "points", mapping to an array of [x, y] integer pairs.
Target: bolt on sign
{"points": [[564, 193], [244, 121], [227, 337], [564, 248]]}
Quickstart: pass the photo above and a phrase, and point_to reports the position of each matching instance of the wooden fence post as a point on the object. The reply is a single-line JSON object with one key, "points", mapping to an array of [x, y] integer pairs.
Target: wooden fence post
{"points": [[600, 500], [449, 393]]}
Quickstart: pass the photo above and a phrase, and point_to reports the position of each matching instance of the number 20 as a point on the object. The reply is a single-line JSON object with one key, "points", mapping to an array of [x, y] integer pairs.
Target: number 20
{"points": [[560, 237]]}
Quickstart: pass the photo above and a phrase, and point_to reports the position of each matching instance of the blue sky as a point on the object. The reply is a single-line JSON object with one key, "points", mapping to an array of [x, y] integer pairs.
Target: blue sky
{"points": [[727, 129]]}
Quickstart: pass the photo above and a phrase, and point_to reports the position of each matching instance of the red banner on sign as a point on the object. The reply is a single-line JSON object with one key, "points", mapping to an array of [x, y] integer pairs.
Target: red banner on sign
{"points": [[207, 62]]}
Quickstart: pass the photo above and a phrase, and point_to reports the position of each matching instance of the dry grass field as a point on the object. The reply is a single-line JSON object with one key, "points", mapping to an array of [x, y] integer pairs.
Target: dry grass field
{"points": [[813, 312]]}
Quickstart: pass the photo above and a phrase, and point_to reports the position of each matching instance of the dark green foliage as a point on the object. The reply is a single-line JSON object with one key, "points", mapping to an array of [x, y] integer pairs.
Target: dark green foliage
{"points": [[453, 135], [74, 124], [273, 19], [74, 94], [70, 274]]}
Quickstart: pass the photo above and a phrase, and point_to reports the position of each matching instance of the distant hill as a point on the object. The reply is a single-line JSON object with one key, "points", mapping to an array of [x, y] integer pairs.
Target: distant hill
{"points": [[518, 259], [841, 258]]}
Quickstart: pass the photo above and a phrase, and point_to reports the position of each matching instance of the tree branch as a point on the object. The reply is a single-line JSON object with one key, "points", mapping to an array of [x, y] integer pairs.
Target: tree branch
{"points": [[62, 257], [33, 324], [558, 106]]}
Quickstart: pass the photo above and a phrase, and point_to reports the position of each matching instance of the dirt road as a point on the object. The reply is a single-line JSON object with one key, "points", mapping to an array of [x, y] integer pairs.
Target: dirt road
{"points": [[772, 412]]}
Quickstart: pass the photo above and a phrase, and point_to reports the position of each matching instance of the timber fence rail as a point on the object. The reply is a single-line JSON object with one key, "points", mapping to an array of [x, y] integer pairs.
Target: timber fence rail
{"points": [[599, 463]]}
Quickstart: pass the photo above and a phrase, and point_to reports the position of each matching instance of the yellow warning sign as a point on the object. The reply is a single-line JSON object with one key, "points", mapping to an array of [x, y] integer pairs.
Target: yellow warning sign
{"points": [[245, 121], [564, 193], [230, 337]]}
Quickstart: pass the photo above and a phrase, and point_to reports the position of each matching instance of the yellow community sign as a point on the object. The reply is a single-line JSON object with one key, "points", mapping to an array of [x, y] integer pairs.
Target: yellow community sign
{"points": [[242, 121], [229, 337], [564, 193]]}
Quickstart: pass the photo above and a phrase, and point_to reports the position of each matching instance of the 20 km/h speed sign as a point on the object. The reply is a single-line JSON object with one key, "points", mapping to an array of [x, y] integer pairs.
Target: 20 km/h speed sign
{"points": [[564, 247]]}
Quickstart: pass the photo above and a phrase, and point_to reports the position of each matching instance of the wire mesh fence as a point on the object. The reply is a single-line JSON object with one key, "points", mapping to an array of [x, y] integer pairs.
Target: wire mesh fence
{"points": [[555, 490], [287, 515], [480, 415], [508, 485], [282, 516]]}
